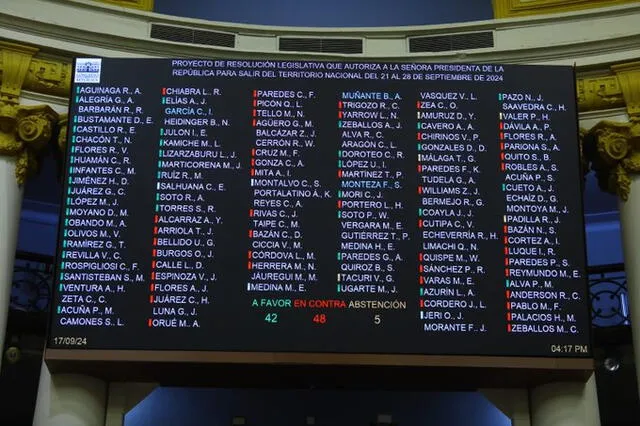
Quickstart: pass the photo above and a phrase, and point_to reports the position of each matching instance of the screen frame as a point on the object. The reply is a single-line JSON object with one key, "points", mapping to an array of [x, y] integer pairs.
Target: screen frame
{"points": [[318, 369]]}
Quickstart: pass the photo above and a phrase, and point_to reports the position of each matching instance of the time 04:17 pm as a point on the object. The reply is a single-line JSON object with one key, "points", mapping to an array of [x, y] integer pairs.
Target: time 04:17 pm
{"points": [[570, 349]]}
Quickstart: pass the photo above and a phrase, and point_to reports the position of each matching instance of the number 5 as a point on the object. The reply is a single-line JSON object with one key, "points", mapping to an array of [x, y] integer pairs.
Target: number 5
{"points": [[377, 319]]}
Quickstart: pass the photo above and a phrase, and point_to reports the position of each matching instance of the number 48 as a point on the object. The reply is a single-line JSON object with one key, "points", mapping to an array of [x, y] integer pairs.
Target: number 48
{"points": [[319, 318]]}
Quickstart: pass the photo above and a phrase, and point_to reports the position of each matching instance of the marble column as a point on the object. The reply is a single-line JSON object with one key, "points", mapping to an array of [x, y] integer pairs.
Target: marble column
{"points": [[69, 400], [613, 149], [565, 404], [24, 131], [9, 222]]}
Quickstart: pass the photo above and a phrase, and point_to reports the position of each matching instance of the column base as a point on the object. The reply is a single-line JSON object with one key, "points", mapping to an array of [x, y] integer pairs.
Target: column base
{"points": [[70, 400], [565, 404]]}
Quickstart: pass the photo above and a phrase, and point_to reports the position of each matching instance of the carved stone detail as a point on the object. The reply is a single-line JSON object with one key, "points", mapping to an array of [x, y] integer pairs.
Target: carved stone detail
{"points": [[599, 93], [63, 122], [629, 78], [15, 64], [24, 132], [613, 150], [21, 71], [49, 77]]}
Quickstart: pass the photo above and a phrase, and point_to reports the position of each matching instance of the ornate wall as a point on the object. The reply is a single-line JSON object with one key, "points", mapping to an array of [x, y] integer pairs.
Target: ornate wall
{"points": [[519, 8]]}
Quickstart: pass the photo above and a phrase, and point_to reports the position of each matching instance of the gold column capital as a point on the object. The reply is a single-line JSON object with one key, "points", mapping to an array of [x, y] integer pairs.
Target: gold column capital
{"points": [[613, 151], [24, 132]]}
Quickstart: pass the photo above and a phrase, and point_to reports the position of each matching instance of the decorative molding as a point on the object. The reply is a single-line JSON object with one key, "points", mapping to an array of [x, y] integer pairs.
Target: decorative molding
{"points": [[629, 78], [132, 4], [15, 64], [50, 77], [519, 8], [597, 93], [20, 70]]}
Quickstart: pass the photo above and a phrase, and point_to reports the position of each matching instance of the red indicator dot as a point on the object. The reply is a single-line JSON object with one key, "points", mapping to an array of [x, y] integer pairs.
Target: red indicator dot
{"points": [[421, 280], [339, 104], [156, 218], [509, 316], [254, 113], [155, 230], [422, 303], [508, 306], [250, 234], [502, 146], [150, 322], [508, 294], [155, 241], [255, 103], [418, 104], [509, 328], [249, 265], [506, 261], [151, 299], [507, 273], [253, 172], [339, 204], [501, 126], [151, 287], [154, 253], [249, 254], [339, 173], [253, 162], [251, 213], [255, 93], [502, 167], [153, 265], [164, 90], [418, 136], [501, 136], [253, 152], [255, 122], [502, 156], [421, 268], [339, 114]]}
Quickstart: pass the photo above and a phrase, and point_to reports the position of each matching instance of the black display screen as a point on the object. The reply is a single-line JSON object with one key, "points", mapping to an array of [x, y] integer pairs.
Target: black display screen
{"points": [[282, 206]]}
